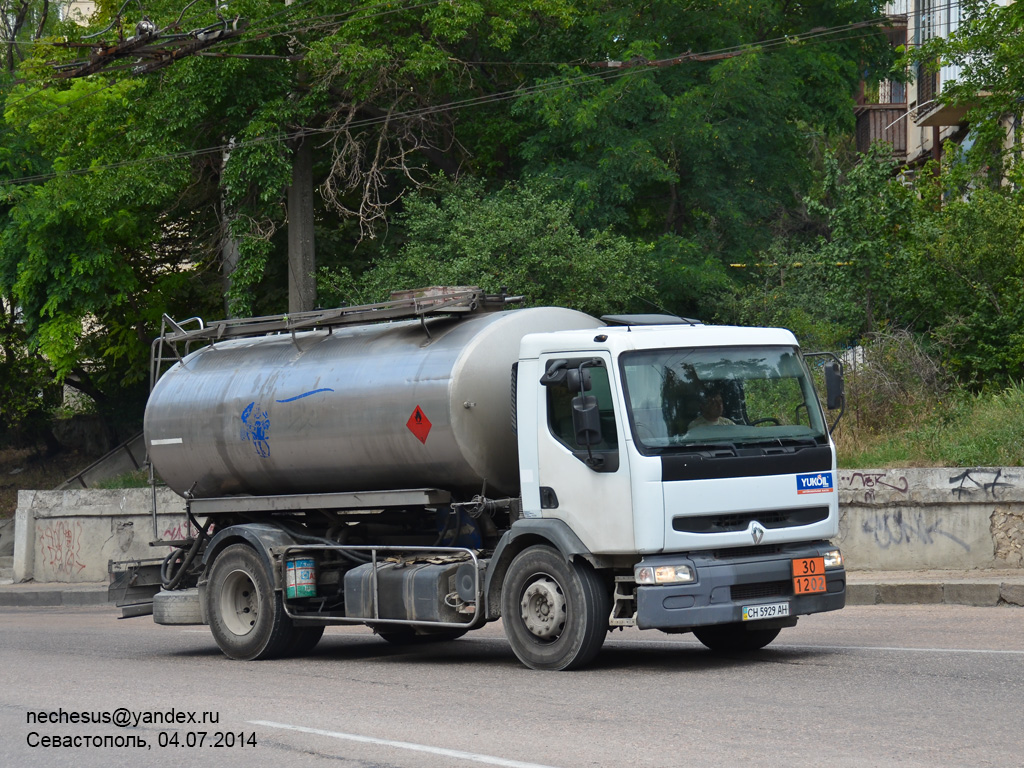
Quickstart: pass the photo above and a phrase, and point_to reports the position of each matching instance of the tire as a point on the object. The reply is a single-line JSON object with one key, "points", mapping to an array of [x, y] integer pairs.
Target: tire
{"points": [[399, 635], [735, 637], [303, 640], [246, 616], [180, 606], [555, 613]]}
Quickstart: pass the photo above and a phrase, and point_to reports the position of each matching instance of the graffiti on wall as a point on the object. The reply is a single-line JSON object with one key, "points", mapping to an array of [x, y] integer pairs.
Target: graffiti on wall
{"points": [[182, 533], [870, 482], [890, 529], [61, 544], [986, 481], [124, 533], [177, 532]]}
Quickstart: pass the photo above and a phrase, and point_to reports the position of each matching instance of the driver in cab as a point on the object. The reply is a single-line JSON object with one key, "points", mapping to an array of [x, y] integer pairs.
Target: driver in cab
{"points": [[710, 410]]}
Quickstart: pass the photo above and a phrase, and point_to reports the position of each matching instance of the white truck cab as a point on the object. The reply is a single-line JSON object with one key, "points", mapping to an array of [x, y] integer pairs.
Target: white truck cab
{"points": [[728, 510]]}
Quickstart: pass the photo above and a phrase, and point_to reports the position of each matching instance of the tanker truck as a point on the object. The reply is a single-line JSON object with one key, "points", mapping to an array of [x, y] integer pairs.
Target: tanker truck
{"points": [[428, 465]]}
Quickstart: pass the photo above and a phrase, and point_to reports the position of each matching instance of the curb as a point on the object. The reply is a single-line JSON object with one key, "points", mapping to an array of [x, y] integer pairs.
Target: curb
{"points": [[50, 596], [984, 594]]}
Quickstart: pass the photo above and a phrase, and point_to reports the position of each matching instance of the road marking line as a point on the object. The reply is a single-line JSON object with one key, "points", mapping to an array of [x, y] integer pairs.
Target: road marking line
{"points": [[791, 647], [896, 648], [488, 759]]}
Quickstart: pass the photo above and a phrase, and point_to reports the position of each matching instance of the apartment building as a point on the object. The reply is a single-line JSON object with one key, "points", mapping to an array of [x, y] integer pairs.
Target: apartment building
{"points": [[908, 115]]}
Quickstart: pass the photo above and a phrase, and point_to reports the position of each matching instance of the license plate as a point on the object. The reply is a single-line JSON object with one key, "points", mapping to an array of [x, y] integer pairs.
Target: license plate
{"points": [[808, 575], [766, 611]]}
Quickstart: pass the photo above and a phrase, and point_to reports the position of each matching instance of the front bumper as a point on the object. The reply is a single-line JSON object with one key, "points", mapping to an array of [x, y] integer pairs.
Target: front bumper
{"points": [[729, 580]]}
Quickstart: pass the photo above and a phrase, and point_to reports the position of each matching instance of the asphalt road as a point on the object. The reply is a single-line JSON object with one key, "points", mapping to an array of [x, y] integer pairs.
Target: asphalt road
{"points": [[934, 685]]}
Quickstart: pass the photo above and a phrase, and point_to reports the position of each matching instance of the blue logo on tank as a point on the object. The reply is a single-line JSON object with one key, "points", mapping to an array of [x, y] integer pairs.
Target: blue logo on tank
{"points": [[256, 429]]}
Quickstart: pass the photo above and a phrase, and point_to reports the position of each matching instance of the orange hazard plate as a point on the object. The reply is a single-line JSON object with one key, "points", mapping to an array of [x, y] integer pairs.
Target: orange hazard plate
{"points": [[808, 575]]}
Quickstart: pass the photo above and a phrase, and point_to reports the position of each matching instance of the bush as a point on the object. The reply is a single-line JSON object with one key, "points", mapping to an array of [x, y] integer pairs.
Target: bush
{"points": [[962, 429], [520, 237], [890, 378]]}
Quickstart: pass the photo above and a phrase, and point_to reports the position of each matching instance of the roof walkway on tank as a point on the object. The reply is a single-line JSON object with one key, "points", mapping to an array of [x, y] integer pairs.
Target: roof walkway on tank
{"points": [[404, 305]]}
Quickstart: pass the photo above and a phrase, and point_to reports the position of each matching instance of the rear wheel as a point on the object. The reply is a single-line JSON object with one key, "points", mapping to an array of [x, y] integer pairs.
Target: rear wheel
{"points": [[303, 640], [246, 616], [555, 613], [735, 637]]}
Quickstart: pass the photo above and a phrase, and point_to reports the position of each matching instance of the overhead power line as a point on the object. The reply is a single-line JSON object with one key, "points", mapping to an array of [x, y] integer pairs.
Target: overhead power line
{"points": [[612, 70]]}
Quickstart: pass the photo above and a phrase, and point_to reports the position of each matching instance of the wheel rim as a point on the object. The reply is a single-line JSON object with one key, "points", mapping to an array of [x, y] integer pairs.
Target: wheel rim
{"points": [[239, 603], [542, 609]]}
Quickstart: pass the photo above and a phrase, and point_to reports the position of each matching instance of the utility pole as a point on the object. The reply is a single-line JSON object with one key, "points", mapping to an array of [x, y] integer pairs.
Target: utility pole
{"points": [[301, 244]]}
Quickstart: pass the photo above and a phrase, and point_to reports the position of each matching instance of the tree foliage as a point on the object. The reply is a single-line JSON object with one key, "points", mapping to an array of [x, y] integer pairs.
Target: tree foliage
{"points": [[150, 187], [933, 254], [710, 150], [967, 262], [520, 238]]}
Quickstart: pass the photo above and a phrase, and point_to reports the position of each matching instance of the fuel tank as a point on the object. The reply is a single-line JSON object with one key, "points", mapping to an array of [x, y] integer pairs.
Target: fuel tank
{"points": [[373, 407]]}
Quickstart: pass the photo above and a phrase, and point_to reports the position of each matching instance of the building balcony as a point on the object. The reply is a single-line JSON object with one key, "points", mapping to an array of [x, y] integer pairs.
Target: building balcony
{"points": [[882, 122]]}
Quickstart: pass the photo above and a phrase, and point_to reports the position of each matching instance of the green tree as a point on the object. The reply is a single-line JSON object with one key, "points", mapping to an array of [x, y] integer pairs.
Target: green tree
{"points": [[123, 191], [867, 210], [519, 237], [92, 260], [26, 385], [850, 280], [966, 285], [26, 379], [713, 149]]}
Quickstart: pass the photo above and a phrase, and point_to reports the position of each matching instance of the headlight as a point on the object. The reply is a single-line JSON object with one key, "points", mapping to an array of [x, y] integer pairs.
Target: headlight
{"points": [[833, 559], [663, 574]]}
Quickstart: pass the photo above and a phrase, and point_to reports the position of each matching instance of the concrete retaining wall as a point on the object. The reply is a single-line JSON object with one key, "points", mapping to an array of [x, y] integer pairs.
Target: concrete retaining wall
{"points": [[919, 519], [69, 536], [892, 520]]}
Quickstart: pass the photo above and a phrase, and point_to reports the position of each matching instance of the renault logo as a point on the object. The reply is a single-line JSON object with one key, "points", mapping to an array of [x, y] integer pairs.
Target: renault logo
{"points": [[756, 532]]}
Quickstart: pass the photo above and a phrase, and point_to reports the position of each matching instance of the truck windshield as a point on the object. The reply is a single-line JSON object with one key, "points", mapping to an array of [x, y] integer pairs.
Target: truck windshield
{"points": [[686, 399]]}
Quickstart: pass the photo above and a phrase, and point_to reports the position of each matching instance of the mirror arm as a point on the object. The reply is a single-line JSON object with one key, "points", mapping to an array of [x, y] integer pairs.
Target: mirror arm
{"points": [[590, 452]]}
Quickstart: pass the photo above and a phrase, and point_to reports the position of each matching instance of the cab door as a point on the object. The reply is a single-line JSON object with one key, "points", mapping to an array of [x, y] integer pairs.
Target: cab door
{"points": [[582, 467]]}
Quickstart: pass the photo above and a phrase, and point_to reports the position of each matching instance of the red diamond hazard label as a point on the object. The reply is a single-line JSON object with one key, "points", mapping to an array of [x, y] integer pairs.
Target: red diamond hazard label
{"points": [[419, 425]]}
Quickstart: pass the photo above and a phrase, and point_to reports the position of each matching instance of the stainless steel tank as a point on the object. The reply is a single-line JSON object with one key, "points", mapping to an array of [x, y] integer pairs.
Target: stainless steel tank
{"points": [[358, 408]]}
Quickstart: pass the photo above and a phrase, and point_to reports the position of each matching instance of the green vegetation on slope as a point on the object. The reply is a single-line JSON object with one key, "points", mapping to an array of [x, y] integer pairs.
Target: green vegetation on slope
{"points": [[963, 429]]}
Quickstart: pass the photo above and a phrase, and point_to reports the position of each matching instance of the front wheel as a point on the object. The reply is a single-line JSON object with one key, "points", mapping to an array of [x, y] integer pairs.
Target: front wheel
{"points": [[555, 613], [246, 616], [735, 637]]}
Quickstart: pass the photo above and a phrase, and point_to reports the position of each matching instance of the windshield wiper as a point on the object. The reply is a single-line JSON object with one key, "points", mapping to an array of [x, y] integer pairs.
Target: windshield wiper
{"points": [[782, 442], [707, 449], [719, 450]]}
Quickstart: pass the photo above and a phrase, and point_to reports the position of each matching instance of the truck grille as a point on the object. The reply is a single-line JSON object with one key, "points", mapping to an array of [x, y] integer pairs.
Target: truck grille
{"points": [[737, 553], [739, 521], [740, 592]]}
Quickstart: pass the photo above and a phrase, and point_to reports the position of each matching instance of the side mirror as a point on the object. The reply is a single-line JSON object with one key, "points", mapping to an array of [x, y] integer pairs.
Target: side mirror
{"points": [[835, 395], [577, 379], [560, 374], [586, 420]]}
